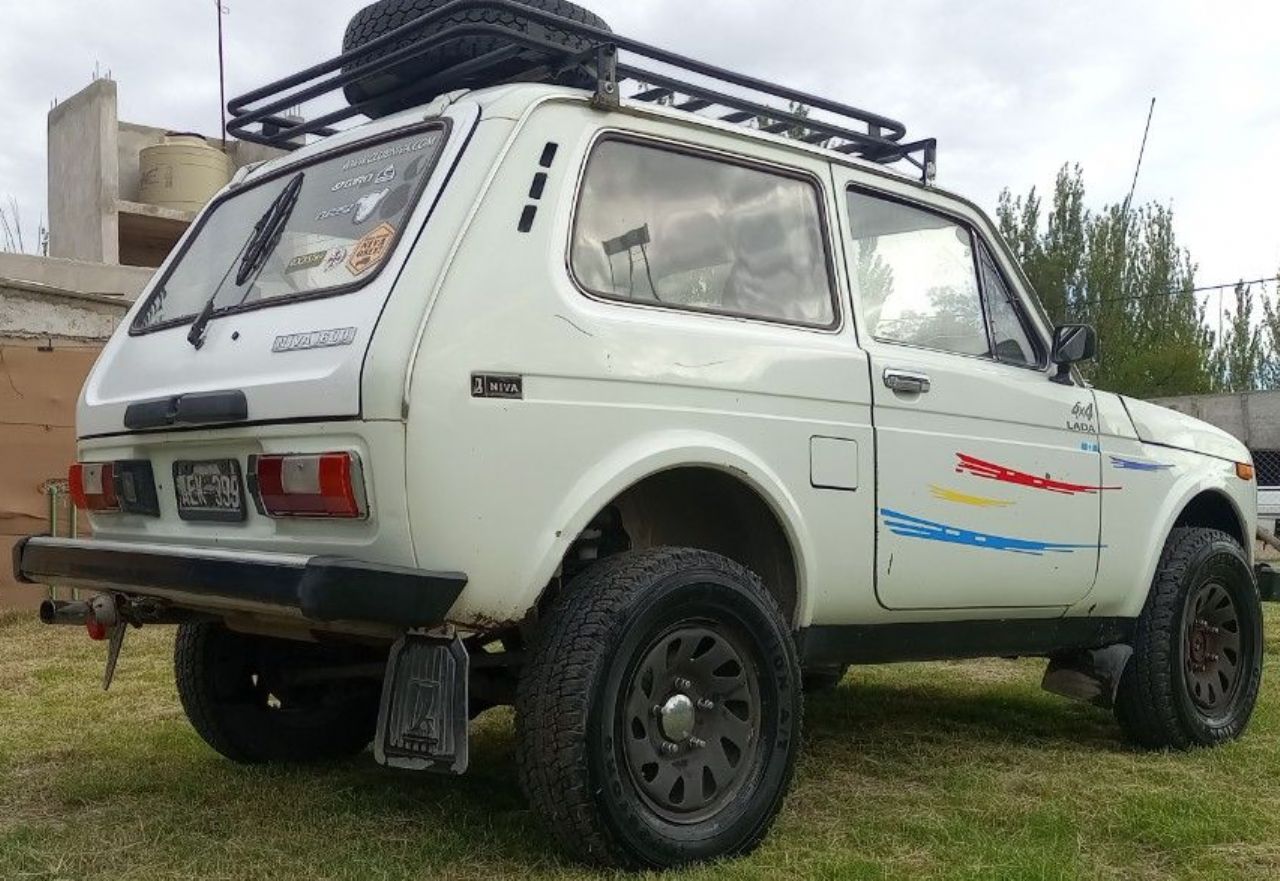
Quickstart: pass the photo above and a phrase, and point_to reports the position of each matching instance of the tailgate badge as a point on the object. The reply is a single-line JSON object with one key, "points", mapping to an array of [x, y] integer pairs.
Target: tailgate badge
{"points": [[315, 339]]}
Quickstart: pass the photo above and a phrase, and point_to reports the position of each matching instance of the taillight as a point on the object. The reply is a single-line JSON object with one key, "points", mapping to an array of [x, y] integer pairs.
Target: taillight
{"points": [[93, 486], [308, 485], [126, 486]]}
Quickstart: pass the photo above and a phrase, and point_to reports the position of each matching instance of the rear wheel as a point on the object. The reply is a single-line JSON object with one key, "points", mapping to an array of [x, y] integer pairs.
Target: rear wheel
{"points": [[255, 699], [658, 717], [1197, 652]]}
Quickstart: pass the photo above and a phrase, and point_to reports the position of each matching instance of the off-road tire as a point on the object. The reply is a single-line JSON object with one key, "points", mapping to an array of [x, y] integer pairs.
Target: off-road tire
{"points": [[571, 747], [214, 667], [418, 80], [823, 679], [1154, 704]]}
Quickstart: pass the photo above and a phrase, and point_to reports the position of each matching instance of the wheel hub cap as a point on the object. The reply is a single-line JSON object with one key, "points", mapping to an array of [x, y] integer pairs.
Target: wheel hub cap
{"points": [[677, 718], [690, 721], [1212, 648]]}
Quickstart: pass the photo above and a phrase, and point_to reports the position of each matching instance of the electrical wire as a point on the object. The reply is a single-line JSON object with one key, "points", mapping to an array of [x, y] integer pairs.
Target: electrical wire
{"points": [[1181, 291]]}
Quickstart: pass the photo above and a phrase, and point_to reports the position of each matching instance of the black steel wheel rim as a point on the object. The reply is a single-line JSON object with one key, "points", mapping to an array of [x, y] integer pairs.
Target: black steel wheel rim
{"points": [[1213, 657], [689, 721]]}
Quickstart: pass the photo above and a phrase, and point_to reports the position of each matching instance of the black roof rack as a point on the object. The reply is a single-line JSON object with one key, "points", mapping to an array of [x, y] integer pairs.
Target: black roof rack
{"points": [[264, 115]]}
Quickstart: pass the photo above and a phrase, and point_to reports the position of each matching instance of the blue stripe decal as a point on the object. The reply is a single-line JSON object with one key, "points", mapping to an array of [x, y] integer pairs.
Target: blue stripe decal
{"points": [[1137, 465], [915, 527]]}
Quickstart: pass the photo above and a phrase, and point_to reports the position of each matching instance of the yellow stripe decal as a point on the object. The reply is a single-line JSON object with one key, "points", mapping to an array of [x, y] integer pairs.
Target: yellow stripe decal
{"points": [[950, 495]]}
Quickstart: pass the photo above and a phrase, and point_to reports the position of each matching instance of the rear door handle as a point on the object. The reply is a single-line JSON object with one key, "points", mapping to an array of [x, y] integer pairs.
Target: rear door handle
{"points": [[908, 382]]}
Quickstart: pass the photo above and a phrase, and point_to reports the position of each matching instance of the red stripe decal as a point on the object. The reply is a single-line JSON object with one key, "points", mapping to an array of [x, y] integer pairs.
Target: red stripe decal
{"points": [[991, 471]]}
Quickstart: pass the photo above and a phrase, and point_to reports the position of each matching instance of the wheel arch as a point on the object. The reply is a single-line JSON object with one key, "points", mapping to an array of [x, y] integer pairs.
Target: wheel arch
{"points": [[1215, 509], [661, 487], [1204, 502]]}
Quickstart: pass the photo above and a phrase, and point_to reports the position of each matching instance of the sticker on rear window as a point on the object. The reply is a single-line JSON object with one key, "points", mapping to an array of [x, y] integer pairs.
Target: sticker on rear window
{"points": [[386, 176], [303, 262], [369, 251], [335, 258], [422, 143]]}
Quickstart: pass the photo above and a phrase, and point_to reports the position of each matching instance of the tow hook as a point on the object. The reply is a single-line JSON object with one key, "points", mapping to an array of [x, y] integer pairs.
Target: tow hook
{"points": [[102, 619]]}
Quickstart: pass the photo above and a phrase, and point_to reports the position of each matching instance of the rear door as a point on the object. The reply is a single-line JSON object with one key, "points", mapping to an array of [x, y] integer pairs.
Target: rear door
{"points": [[291, 334], [987, 471]]}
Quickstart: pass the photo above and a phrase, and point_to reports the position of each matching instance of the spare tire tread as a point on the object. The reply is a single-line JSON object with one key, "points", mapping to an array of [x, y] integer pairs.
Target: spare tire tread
{"points": [[385, 16]]}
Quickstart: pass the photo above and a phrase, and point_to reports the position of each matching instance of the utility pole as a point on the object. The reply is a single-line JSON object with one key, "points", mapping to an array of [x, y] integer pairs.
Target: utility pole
{"points": [[222, 75]]}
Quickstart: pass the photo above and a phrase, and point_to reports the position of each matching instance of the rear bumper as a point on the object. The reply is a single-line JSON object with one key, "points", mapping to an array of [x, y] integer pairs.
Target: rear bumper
{"points": [[315, 588]]}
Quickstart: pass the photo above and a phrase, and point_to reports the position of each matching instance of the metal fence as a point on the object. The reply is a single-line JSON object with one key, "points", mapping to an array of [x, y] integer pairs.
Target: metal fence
{"points": [[63, 520], [1268, 464]]}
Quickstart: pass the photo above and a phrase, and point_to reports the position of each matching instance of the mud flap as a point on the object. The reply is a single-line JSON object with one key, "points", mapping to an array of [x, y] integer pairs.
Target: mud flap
{"points": [[422, 720], [1092, 676]]}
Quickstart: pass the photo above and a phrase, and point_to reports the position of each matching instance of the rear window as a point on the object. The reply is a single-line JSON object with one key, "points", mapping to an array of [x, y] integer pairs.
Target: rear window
{"points": [[663, 227], [350, 211]]}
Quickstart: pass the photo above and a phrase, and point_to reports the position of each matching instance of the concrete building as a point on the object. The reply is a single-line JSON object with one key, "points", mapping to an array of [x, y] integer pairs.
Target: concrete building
{"points": [[1254, 418], [96, 183], [56, 312]]}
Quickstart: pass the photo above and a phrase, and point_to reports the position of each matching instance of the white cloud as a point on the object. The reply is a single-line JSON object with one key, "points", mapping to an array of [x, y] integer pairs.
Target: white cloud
{"points": [[1012, 89]]}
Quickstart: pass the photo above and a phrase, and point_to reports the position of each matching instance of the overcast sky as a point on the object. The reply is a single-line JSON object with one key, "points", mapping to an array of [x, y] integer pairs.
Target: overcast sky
{"points": [[1012, 89]]}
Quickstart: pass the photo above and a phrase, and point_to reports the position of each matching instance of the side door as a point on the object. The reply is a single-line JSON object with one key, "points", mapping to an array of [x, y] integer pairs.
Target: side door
{"points": [[987, 471]]}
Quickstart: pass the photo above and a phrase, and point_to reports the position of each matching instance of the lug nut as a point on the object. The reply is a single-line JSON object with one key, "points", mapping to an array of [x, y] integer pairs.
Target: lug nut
{"points": [[683, 684], [670, 749], [697, 742], [657, 710], [705, 704]]}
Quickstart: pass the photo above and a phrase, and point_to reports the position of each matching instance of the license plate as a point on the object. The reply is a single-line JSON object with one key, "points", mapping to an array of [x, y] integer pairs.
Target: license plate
{"points": [[209, 490]]}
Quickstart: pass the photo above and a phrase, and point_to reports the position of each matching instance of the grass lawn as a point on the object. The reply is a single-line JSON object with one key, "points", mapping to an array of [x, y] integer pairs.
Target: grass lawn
{"points": [[963, 770]]}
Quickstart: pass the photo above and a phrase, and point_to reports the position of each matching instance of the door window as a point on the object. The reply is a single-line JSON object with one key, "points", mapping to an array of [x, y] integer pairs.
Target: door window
{"points": [[923, 278], [662, 226], [915, 275]]}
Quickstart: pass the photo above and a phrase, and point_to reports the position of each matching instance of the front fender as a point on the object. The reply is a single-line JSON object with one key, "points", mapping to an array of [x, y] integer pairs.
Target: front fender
{"points": [[1135, 529]]}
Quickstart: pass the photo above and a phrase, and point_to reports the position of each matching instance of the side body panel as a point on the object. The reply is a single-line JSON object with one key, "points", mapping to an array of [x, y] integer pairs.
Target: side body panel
{"points": [[614, 392]]}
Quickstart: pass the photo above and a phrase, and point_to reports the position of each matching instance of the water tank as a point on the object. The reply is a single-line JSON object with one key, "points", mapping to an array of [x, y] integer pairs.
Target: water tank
{"points": [[183, 172]]}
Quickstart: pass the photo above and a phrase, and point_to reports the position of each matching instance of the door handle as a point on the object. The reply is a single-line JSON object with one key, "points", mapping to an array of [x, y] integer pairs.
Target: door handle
{"points": [[907, 382]]}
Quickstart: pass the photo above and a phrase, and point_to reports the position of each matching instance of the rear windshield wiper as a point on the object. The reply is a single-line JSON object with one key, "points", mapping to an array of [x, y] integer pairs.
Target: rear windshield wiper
{"points": [[254, 254]]}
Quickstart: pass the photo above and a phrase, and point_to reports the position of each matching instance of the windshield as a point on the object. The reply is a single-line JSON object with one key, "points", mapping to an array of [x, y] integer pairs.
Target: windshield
{"points": [[350, 211]]}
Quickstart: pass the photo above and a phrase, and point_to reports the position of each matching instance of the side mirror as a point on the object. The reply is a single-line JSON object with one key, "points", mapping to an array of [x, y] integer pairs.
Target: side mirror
{"points": [[1072, 344]]}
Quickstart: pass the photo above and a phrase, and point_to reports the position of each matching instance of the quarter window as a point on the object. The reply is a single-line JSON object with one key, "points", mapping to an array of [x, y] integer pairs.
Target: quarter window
{"points": [[1013, 345], [659, 226], [916, 277]]}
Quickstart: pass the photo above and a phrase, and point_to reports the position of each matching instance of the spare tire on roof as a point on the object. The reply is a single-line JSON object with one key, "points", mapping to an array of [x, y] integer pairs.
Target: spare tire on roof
{"points": [[393, 90]]}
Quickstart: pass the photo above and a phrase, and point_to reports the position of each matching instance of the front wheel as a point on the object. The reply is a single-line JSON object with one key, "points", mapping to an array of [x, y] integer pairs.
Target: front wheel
{"points": [[1196, 667], [658, 718]]}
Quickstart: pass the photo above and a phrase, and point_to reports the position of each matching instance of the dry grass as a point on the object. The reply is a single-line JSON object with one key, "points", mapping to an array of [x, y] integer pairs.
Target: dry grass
{"points": [[914, 772]]}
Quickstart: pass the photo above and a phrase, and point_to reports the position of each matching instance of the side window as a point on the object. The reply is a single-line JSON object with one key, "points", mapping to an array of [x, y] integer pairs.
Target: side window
{"points": [[914, 273], [658, 225], [1013, 344]]}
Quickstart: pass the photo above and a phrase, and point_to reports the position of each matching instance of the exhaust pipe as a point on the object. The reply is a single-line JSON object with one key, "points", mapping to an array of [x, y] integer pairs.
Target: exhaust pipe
{"points": [[65, 614]]}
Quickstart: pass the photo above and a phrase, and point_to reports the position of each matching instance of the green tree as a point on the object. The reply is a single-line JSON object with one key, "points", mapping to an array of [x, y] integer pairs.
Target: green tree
{"points": [[1270, 374], [1240, 359], [1121, 270]]}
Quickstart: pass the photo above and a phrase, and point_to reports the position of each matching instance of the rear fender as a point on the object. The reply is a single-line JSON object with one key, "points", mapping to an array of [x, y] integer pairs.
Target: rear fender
{"points": [[652, 454]]}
